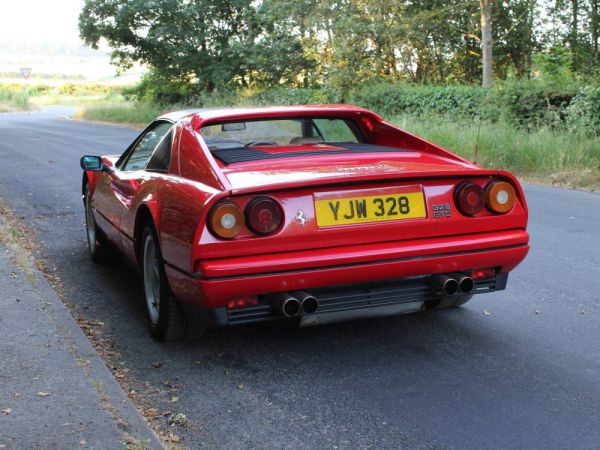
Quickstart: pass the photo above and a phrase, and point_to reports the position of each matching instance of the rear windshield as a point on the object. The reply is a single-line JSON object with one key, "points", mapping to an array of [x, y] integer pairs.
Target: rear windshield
{"points": [[277, 132]]}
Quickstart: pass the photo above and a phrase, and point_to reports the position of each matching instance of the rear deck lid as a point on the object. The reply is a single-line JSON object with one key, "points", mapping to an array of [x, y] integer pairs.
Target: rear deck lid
{"points": [[291, 167]]}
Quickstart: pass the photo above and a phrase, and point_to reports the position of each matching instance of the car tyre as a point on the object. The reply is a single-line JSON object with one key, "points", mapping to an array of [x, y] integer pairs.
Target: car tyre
{"points": [[166, 319], [97, 242]]}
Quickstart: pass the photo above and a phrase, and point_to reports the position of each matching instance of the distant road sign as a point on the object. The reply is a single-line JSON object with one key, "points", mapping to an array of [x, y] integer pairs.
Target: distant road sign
{"points": [[25, 71]]}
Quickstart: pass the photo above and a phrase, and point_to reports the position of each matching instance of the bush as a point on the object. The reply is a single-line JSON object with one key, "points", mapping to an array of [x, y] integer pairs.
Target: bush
{"points": [[154, 89], [529, 105], [13, 97], [293, 96], [534, 105], [40, 89], [158, 90], [454, 100], [68, 88], [584, 112], [525, 104], [137, 113]]}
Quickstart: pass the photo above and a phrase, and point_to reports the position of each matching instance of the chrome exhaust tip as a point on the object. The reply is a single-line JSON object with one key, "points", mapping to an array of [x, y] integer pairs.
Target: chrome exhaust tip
{"points": [[444, 285], [467, 284], [309, 303], [285, 304]]}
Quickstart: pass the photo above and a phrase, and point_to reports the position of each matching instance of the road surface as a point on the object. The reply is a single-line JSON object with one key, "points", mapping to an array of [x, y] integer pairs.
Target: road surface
{"points": [[513, 369]]}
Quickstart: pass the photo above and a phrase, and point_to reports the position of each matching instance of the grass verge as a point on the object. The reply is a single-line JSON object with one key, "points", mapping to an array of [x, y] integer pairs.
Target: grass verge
{"points": [[11, 101], [568, 159], [136, 114]]}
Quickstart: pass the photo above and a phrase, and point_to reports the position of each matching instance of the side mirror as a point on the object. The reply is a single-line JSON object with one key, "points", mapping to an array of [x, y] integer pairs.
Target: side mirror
{"points": [[93, 163]]}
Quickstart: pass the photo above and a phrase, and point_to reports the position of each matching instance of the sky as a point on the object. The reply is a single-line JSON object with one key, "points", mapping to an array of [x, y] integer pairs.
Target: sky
{"points": [[52, 21], [29, 27]]}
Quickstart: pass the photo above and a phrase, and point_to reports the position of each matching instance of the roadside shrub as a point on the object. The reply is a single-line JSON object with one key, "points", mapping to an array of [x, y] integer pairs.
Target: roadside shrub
{"points": [[166, 94], [14, 98], [132, 113], [529, 105], [158, 90], [454, 100], [583, 113], [532, 105], [40, 89], [68, 88], [524, 104], [219, 97], [293, 96]]}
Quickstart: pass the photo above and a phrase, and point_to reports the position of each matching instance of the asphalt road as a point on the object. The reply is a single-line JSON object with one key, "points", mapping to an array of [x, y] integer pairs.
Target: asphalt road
{"points": [[523, 374]]}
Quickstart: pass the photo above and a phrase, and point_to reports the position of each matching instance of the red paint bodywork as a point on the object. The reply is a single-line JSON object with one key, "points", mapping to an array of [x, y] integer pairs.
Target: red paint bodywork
{"points": [[207, 271]]}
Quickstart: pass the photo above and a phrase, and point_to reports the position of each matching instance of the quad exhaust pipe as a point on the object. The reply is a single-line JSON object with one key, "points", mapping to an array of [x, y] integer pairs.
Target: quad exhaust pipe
{"points": [[294, 304], [450, 285], [309, 304], [297, 303], [285, 304], [466, 284]]}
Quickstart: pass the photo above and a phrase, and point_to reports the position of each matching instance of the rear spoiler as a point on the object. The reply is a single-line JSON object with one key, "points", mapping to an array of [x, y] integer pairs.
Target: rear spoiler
{"points": [[291, 184]]}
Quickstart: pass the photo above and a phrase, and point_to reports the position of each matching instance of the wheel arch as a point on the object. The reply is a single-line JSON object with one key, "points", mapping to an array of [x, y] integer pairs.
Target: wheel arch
{"points": [[146, 215], [90, 178], [84, 183]]}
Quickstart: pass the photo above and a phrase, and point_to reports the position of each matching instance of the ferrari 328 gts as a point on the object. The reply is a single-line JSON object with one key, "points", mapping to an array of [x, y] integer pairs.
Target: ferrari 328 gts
{"points": [[312, 214]]}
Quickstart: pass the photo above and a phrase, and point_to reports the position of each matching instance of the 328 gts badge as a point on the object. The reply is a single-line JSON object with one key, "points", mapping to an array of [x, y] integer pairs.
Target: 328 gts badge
{"points": [[442, 210]]}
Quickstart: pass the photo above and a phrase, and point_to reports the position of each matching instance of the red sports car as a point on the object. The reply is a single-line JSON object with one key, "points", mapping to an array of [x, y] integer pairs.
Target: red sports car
{"points": [[307, 213]]}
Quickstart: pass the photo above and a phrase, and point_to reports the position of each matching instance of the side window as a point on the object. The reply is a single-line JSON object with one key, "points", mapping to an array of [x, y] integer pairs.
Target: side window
{"points": [[141, 153], [161, 158]]}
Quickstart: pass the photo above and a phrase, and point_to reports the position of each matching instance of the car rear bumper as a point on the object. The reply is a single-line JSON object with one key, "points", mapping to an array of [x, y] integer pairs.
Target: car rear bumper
{"points": [[348, 302], [219, 280]]}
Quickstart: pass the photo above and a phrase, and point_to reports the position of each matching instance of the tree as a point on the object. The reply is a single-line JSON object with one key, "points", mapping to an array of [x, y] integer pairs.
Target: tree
{"points": [[486, 43], [575, 27], [208, 42], [514, 37], [595, 29]]}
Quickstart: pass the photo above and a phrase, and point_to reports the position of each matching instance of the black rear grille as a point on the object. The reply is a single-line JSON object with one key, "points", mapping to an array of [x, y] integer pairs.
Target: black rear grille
{"points": [[346, 298], [244, 154], [255, 314], [491, 284], [390, 292]]}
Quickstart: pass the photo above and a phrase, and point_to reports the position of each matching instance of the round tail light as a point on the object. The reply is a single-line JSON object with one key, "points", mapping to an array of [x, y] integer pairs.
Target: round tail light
{"points": [[226, 220], [469, 198], [500, 196], [263, 215]]}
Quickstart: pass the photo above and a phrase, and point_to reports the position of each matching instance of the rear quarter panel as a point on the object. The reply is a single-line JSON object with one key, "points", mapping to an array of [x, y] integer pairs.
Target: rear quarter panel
{"points": [[176, 200]]}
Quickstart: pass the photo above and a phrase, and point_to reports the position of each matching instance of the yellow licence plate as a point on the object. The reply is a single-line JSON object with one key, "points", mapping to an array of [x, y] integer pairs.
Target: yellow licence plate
{"points": [[371, 208]]}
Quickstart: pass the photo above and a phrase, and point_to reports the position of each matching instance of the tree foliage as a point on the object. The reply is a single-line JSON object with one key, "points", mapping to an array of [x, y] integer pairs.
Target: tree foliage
{"points": [[210, 44]]}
